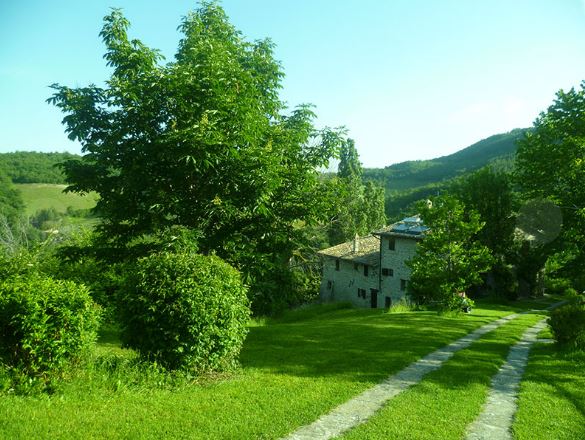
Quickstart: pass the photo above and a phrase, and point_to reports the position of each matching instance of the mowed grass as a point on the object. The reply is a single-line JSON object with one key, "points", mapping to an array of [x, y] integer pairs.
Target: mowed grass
{"points": [[292, 372], [37, 196], [551, 403], [447, 400]]}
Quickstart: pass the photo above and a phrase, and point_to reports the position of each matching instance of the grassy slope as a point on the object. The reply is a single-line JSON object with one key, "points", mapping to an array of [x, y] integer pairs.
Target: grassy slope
{"points": [[292, 373], [39, 196]]}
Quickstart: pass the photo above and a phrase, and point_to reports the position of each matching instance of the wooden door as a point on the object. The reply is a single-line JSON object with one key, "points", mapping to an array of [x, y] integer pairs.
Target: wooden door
{"points": [[374, 298]]}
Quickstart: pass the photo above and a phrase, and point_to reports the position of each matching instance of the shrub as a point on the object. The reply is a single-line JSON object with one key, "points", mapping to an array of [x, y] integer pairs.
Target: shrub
{"points": [[568, 324], [402, 306], [184, 311], [556, 286], [44, 326], [103, 280]]}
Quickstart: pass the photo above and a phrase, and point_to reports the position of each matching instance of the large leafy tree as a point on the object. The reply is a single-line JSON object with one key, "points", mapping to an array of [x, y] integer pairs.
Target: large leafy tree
{"points": [[550, 165], [490, 194], [201, 142], [349, 166], [358, 207], [448, 260]]}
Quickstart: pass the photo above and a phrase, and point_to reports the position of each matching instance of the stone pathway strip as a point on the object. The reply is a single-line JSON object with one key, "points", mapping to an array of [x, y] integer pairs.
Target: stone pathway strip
{"points": [[359, 409], [495, 420]]}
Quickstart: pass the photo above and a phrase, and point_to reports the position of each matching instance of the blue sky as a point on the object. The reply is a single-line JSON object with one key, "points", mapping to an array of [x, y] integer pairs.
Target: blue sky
{"points": [[410, 79]]}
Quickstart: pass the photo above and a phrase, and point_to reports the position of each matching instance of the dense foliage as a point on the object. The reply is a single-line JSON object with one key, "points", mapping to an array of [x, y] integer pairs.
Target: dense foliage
{"points": [[448, 260], [34, 167], [357, 208], [200, 142], [11, 204], [550, 164], [45, 324], [490, 194], [568, 324], [184, 311]]}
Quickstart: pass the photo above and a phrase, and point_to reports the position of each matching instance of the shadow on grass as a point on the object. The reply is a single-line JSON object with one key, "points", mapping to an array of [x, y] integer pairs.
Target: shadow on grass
{"points": [[561, 369], [538, 303], [362, 345], [354, 344]]}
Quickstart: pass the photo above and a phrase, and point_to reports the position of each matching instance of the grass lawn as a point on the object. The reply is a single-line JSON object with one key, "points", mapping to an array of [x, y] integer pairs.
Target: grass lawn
{"points": [[37, 196], [447, 400], [293, 371], [551, 404]]}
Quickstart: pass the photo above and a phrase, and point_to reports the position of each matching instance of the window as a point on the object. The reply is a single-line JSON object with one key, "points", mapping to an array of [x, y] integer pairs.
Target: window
{"points": [[336, 264], [387, 272], [391, 244], [356, 266], [402, 284], [366, 269], [362, 293], [329, 285]]}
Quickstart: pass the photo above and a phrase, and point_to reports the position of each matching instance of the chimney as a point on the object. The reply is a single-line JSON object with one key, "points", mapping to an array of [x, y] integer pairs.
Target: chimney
{"points": [[356, 244]]}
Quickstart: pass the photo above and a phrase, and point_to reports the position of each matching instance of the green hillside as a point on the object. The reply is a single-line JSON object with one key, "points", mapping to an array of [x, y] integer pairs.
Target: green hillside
{"points": [[413, 174], [37, 196], [407, 182], [33, 167]]}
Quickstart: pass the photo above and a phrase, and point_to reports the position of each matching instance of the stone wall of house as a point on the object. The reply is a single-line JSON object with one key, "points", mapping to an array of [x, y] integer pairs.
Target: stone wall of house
{"points": [[394, 285], [343, 284]]}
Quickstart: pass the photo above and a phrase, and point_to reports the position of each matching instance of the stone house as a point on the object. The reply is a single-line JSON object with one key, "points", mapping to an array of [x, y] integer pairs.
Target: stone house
{"points": [[371, 271]]}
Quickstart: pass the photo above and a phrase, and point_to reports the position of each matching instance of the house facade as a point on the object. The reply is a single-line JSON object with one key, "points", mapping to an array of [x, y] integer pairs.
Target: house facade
{"points": [[371, 271]]}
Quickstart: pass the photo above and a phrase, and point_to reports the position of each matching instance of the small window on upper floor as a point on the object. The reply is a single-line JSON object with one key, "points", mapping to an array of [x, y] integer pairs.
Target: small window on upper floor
{"points": [[387, 272], [391, 244], [336, 264], [366, 270]]}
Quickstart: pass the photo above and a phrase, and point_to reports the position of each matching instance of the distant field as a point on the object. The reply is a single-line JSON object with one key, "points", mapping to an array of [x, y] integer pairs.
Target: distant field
{"points": [[39, 196]]}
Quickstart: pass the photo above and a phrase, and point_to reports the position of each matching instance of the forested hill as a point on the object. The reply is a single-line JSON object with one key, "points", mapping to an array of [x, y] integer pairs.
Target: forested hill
{"points": [[33, 167], [496, 149], [407, 182]]}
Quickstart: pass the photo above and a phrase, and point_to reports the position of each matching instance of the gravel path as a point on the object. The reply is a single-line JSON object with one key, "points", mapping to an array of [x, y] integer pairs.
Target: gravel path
{"points": [[359, 409]]}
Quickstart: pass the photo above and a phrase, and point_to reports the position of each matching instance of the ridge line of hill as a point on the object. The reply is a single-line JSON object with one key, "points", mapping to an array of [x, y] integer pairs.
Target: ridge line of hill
{"points": [[407, 182]]}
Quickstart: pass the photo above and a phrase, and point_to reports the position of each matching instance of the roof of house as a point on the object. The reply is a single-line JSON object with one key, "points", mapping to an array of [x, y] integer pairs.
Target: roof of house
{"points": [[410, 227], [368, 251]]}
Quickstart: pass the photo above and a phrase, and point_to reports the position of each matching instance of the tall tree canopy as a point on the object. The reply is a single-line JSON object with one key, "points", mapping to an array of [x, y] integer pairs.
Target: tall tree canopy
{"points": [[358, 207], [202, 142], [550, 164], [489, 193], [350, 166]]}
